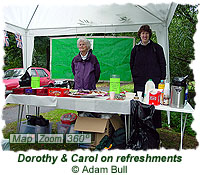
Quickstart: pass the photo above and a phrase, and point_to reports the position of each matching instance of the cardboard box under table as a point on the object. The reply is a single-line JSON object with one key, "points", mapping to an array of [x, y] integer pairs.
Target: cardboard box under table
{"points": [[97, 126]]}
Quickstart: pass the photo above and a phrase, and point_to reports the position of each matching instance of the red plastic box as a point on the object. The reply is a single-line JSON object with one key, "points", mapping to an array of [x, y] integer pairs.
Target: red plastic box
{"points": [[154, 98], [18, 90], [59, 92], [42, 92], [21, 90]]}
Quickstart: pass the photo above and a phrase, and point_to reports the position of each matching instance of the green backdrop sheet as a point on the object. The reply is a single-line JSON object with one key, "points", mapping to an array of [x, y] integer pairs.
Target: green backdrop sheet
{"points": [[113, 55]]}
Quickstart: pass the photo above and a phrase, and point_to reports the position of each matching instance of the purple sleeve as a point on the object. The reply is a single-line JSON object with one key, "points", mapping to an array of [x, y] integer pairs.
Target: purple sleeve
{"points": [[97, 71], [73, 67]]}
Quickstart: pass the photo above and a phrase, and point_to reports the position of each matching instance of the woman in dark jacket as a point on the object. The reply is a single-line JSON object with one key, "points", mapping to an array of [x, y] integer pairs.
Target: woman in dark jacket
{"points": [[147, 62], [85, 67]]}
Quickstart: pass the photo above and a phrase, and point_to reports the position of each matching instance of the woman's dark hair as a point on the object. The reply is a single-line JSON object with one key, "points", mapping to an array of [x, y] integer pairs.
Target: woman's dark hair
{"points": [[145, 28]]}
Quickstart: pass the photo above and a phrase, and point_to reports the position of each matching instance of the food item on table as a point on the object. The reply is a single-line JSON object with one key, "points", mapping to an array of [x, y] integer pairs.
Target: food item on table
{"points": [[88, 93]]}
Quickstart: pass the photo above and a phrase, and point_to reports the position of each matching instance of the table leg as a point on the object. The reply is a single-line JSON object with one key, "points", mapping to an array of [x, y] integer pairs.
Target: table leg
{"points": [[182, 130], [18, 116], [184, 124], [37, 111], [126, 130], [129, 126], [20, 113], [168, 118], [27, 107]]}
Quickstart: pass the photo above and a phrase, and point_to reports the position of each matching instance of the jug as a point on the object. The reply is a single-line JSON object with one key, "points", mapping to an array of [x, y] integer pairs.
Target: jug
{"points": [[35, 82], [178, 92], [148, 87], [115, 84]]}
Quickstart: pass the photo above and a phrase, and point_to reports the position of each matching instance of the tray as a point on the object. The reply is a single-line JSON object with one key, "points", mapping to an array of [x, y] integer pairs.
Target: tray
{"points": [[83, 96], [116, 99], [88, 96]]}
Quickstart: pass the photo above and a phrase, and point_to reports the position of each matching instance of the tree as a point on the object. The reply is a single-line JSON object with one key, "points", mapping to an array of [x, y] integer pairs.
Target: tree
{"points": [[40, 55], [13, 54], [181, 32]]}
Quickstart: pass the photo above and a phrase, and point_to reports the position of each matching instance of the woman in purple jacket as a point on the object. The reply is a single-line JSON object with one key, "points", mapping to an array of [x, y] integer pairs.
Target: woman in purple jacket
{"points": [[85, 66]]}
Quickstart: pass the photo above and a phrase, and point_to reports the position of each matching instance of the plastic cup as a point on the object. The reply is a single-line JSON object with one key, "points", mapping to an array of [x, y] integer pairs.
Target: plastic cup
{"points": [[112, 95], [130, 95], [139, 93]]}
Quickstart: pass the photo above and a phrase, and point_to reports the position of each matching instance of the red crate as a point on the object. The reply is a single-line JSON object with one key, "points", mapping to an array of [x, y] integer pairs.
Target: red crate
{"points": [[59, 92], [30, 91], [42, 92], [18, 90]]}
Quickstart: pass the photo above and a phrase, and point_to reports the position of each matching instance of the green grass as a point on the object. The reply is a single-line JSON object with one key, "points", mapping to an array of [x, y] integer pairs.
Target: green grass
{"points": [[102, 84], [127, 87], [9, 105], [124, 87], [170, 139]]}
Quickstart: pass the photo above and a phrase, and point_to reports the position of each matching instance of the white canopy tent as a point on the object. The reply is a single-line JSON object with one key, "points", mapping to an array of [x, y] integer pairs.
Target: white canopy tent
{"points": [[44, 20]]}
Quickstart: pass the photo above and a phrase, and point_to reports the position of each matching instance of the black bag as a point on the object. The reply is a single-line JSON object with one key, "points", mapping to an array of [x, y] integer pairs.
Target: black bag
{"points": [[31, 119], [25, 80], [143, 133], [37, 120]]}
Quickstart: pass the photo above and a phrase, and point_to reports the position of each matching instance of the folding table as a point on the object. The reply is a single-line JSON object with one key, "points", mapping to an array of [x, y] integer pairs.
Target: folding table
{"points": [[97, 104]]}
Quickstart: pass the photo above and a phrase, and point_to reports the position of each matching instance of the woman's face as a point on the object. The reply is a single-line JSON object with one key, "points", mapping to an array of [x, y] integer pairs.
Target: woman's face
{"points": [[144, 37], [82, 46]]}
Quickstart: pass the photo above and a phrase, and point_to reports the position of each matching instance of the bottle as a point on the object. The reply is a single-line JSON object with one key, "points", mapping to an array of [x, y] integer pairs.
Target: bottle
{"points": [[166, 94], [186, 94], [148, 87], [161, 85]]}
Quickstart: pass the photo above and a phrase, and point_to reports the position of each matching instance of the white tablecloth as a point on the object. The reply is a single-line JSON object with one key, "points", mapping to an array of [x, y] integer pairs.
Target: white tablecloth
{"points": [[32, 100], [98, 104]]}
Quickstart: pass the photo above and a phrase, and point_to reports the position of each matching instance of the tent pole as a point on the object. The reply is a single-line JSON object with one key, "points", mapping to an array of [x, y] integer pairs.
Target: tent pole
{"points": [[32, 16], [167, 55], [28, 45]]}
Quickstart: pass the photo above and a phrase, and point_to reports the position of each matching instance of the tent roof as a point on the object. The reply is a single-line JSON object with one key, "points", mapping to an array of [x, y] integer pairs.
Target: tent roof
{"points": [[52, 20], [46, 20]]}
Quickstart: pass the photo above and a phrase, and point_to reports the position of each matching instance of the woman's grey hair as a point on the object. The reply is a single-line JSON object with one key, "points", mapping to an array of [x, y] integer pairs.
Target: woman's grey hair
{"points": [[86, 41]]}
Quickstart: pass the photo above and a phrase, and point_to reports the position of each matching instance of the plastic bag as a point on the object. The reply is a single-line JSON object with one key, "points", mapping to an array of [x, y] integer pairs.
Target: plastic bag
{"points": [[37, 120], [143, 133], [5, 145], [25, 80]]}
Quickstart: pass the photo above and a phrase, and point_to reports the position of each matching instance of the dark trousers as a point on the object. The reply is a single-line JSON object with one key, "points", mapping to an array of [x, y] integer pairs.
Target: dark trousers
{"points": [[157, 114]]}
